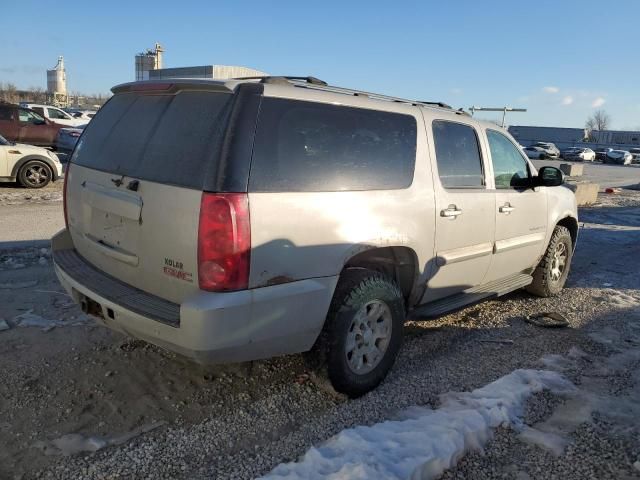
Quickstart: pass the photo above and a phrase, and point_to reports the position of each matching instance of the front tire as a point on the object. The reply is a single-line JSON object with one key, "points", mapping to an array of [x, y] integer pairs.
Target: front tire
{"points": [[551, 273], [35, 174], [363, 333]]}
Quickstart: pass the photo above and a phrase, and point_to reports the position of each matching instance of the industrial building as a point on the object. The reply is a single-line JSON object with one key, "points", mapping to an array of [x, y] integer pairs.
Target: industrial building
{"points": [[147, 61], [57, 85], [149, 66], [572, 137], [205, 71]]}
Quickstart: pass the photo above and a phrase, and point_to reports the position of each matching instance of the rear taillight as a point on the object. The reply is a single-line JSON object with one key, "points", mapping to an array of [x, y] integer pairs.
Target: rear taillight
{"points": [[224, 242], [64, 195]]}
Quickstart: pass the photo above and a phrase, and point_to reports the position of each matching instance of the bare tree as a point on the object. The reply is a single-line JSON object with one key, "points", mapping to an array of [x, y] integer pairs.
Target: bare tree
{"points": [[9, 93], [600, 120], [37, 94]]}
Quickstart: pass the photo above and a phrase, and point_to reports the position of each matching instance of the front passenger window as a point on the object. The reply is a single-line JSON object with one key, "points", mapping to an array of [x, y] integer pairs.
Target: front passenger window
{"points": [[510, 169]]}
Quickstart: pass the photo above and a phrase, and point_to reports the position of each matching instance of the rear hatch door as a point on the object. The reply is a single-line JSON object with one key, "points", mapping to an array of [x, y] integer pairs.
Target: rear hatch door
{"points": [[135, 186]]}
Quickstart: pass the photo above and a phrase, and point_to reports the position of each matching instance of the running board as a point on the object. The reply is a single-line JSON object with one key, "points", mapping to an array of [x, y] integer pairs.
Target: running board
{"points": [[460, 300]]}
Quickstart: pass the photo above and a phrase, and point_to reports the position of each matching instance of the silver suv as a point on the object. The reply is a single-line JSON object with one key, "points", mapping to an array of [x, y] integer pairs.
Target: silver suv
{"points": [[243, 219]]}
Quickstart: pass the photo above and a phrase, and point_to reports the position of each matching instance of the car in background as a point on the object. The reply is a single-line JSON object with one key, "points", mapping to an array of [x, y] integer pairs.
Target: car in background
{"points": [[579, 154], [550, 148], [618, 157], [86, 115], [601, 153], [19, 124], [32, 167], [54, 114], [68, 137], [537, 153], [635, 153]]}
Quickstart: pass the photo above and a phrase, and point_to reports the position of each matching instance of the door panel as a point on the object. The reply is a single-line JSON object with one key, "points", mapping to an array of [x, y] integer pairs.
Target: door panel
{"points": [[465, 219], [520, 233], [4, 161], [521, 212], [464, 245]]}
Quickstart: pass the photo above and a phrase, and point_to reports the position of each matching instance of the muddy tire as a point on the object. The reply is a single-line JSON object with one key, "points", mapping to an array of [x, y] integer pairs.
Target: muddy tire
{"points": [[551, 273], [35, 174], [363, 332]]}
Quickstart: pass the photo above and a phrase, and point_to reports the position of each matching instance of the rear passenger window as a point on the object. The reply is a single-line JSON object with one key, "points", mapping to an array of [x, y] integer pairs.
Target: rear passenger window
{"points": [[5, 113], [457, 155], [306, 146]]}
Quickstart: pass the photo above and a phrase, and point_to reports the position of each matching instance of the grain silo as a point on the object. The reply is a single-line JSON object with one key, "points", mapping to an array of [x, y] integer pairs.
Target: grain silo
{"points": [[147, 61], [57, 79]]}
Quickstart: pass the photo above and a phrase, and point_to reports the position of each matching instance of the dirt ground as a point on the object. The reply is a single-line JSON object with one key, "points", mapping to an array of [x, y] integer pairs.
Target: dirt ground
{"points": [[157, 415]]}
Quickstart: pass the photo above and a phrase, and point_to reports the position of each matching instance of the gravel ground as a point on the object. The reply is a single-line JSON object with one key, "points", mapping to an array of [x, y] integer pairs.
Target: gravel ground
{"points": [[14, 194], [240, 421], [30, 214]]}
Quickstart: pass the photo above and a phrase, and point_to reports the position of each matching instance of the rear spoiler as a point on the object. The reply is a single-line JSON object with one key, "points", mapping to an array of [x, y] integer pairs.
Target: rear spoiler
{"points": [[174, 85]]}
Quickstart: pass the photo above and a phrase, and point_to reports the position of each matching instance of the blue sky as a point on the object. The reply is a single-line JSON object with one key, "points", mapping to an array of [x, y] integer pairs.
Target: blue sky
{"points": [[559, 59]]}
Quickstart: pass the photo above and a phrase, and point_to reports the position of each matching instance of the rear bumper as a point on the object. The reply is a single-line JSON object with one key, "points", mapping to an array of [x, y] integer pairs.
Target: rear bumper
{"points": [[208, 327]]}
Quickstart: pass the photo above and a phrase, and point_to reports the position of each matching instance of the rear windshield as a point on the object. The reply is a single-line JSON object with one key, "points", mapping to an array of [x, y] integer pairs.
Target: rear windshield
{"points": [[169, 139], [306, 146]]}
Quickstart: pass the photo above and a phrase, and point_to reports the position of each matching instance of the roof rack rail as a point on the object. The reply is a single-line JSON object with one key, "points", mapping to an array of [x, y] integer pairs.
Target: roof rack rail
{"points": [[317, 84], [284, 79], [437, 104]]}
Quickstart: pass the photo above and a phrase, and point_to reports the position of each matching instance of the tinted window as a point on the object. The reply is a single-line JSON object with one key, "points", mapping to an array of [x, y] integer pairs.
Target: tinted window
{"points": [[457, 155], [5, 113], [510, 169], [161, 138], [305, 146], [38, 110]]}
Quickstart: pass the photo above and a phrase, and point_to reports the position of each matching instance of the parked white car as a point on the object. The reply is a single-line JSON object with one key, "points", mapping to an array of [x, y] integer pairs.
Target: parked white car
{"points": [[620, 157], [85, 115], [537, 153], [55, 114], [550, 149], [32, 167], [635, 153], [579, 154]]}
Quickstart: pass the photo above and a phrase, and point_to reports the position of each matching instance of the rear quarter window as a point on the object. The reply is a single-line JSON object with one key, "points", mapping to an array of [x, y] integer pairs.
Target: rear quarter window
{"points": [[307, 146], [170, 139]]}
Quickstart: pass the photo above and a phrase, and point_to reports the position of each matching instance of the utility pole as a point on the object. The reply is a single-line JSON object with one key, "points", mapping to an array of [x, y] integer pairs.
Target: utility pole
{"points": [[504, 111]]}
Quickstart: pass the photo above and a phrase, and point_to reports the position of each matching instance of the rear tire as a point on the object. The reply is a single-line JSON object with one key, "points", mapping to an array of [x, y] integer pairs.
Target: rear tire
{"points": [[35, 174], [363, 332], [551, 273]]}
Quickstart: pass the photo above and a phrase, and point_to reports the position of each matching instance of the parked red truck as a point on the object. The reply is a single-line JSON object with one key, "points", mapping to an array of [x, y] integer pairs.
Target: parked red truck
{"points": [[19, 124]]}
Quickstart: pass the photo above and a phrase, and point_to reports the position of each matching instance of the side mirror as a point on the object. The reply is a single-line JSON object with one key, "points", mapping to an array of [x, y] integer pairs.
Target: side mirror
{"points": [[549, 177]]}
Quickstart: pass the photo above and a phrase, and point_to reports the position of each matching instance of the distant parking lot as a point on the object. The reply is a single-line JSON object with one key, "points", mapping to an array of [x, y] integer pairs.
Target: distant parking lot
{"points": [[605, 175]]}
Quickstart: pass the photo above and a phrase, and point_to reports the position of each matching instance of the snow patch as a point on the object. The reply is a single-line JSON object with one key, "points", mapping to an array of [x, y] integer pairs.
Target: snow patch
{"points": [[423, 442]]}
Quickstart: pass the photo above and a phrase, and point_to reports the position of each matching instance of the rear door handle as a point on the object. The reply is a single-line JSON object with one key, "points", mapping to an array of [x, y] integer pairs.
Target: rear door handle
{"points": [[506, 209], [451, 212]]}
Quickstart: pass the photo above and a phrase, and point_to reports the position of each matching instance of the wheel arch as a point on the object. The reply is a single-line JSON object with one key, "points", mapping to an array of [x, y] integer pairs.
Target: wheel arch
{"points": [[571, 224], [397, 262]]}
